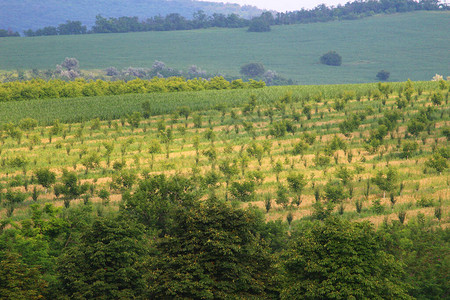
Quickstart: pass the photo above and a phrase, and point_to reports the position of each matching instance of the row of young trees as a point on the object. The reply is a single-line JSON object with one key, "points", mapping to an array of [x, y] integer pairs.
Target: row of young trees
{"points": [[166, 243], [174, 21]]}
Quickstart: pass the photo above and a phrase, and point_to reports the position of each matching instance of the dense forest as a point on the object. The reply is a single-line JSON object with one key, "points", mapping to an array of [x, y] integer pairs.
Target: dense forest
{"points": [[164, 243], [175, 21]]}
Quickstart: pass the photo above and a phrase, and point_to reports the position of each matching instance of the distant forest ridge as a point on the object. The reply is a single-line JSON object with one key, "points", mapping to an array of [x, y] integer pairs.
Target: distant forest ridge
{"points": [[21, 15], [200, 19]]}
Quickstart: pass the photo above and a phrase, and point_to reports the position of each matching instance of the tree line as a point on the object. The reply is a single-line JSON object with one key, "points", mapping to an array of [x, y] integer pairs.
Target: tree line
{"points": [[8, 33], [355, 10], [321, 13]]}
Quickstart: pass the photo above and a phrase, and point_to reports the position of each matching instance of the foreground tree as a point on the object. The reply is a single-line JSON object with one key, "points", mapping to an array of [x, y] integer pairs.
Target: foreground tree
{"points": [[104, 264], [337, 259], [18, 280], [212, 252]]}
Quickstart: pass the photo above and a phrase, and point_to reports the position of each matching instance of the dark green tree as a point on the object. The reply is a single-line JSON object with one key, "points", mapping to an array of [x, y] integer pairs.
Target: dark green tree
{"points": [[331, 58], [297, 183], [212, 251], [105, 263], [18, 280], [156, 197], [45, 177], [337, 259], [259, 25], [252, 69], [383, 75]]}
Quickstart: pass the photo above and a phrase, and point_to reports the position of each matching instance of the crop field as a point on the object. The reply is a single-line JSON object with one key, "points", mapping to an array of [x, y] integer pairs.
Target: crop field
{"points": [[113, 107], [367, 152], [410, 45]]}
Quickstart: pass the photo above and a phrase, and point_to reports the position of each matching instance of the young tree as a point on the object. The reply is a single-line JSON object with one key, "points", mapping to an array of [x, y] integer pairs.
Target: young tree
{"points": [[45, 177], [91, 161], [386, 180], [71, 187], [243, 191], [297, 183], [256, 151], [282, 196], [134, 119], [229, 169], [277, 168], [109, 147], [438, 162], [166, 137], [184, 111], [155, 147], [334, 191]]}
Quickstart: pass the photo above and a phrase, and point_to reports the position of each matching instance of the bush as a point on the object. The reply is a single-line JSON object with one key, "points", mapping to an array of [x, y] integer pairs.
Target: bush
{"points": [[383, 75], [259, 25], [331, 58], [252, 69]]}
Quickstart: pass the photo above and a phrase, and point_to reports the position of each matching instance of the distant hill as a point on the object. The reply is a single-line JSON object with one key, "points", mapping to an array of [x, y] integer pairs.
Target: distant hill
{"points": [[409, 45], [21, 15]]}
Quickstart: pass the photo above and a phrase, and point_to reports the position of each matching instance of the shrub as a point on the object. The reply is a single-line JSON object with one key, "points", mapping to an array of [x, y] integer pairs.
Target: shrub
{"points": [[331, 58], [259, 25], [252, 69], [383, 75]]}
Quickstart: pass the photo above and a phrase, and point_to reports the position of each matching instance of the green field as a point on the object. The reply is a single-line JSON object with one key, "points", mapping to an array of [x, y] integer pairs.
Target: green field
{"points": [[410, 45]]}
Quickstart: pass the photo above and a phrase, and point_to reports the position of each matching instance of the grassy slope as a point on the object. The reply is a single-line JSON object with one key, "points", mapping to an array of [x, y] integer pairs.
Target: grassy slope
{"points": [[411, 45]]}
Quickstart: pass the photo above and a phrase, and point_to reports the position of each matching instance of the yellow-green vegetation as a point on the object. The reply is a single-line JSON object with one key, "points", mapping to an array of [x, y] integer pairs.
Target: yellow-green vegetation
{"points": [[371, 151], [41, 89]]}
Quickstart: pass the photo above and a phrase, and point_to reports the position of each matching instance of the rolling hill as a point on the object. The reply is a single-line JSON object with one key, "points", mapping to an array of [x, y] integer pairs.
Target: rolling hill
{"points": [[410, 45]]}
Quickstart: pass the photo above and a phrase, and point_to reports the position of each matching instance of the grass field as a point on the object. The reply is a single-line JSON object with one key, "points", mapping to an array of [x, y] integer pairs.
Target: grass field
{"points": [[230, 131], [410, 45]]}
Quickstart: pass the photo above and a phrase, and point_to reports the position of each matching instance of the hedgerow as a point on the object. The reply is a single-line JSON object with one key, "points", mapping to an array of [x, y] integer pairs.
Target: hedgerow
{"points": [[41, 89]]}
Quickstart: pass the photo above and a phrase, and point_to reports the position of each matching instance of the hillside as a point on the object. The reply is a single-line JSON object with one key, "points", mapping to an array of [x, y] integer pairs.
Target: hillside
{"points": [[20, 15], [409, 45], [128, 196]]}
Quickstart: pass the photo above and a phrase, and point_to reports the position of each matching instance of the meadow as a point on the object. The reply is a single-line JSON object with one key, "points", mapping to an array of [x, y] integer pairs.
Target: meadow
{"points": [[244, 145], [410, 45]]}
